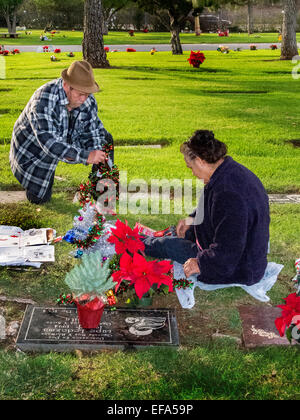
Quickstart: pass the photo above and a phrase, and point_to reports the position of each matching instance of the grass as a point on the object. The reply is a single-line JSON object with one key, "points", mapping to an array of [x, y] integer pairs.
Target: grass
{"points": [[152, 99], [120, 38], [250, 103]]}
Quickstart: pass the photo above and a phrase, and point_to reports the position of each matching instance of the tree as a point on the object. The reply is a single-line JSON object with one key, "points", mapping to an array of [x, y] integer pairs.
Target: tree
{"points": [[109, 9], [9, 8], [92, 44], [178, 11], [289, 47]]}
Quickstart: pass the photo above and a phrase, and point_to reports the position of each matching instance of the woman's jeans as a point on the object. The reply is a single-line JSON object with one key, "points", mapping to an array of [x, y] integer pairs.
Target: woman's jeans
{"points": [[172, 247]]}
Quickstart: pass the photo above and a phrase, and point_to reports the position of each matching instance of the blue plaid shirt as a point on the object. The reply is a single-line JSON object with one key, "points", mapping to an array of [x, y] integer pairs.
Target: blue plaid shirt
{"points": [[42, 136]]}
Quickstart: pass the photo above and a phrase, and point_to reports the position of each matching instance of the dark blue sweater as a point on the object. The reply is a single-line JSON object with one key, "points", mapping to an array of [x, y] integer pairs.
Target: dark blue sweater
{"points": [[234, 233]]}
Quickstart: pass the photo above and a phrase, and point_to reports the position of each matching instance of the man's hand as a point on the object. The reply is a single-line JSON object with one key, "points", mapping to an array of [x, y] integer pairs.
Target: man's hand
{"points": [[182, 226], [191, 267], [95, 157]]}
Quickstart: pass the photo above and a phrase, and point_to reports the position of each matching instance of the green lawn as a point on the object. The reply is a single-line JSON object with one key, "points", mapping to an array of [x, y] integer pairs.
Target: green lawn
{"points": [[116, 38], [250, 100]]}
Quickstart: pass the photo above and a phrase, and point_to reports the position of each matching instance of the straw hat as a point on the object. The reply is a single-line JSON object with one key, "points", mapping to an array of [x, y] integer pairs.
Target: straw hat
{"points": [[80, 76]]}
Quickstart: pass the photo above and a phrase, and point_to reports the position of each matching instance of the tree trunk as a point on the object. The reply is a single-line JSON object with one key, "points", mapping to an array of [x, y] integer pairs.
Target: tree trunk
{"points": [[104, 24], [175, 37], [289, 47], [92, 44], [8, 23], [197, 26], [250, 17]]}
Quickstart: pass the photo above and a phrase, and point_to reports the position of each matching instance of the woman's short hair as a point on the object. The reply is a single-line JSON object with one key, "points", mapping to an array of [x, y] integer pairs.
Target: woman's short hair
{"points": [[204, 145]]}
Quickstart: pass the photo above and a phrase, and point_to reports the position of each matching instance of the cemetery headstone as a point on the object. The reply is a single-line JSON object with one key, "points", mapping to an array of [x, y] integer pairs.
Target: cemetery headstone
{"points": [[259, 328], [58, 329]]}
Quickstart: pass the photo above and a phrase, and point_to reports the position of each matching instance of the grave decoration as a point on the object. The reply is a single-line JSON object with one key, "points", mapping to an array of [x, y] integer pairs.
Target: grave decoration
{"points": [[103, 171], [71, 54], [223, 33], [224, 49], [122, 248], [91, 285], [136, 273], [289, 322], [4, 52], [130, 50], [106, 49], [297, 276], [273, 47], [253, 47], [196, 59], [57, 51]]}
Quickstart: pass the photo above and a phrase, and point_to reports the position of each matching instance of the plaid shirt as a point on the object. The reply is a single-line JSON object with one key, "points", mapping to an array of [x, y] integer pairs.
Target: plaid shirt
{"points": [[42, 137]]}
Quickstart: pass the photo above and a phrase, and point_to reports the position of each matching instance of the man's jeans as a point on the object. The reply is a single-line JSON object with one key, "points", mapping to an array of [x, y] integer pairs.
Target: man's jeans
{"points": [[173, 248], [36, 200]]}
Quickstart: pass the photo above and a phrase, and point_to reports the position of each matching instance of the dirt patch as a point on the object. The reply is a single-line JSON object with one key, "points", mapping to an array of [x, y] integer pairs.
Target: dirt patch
{"points": [[295, 143], [11, 312]]}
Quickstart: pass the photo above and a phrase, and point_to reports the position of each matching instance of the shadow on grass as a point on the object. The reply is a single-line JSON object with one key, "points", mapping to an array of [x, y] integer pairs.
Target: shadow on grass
{"points": [[172, 70]]}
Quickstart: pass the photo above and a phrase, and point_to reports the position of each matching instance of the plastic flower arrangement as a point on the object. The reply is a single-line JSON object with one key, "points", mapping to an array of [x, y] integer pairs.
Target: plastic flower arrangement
{"points": [[196, 59], [57, 51], [130, 50], [289, 322], [4, 52], [106, 49], [223, 49], [273, 47], [145, 277], [253, 47]]}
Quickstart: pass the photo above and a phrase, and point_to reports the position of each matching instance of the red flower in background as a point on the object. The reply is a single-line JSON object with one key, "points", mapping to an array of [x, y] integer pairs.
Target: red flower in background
{"points": [[290, 311], [130, 50], [196, 58], [57, 51], [106, 49], [126, 239]]}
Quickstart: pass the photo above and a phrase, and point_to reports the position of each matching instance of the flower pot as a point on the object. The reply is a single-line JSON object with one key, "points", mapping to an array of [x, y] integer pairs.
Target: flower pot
{"points": [[90, 314]]}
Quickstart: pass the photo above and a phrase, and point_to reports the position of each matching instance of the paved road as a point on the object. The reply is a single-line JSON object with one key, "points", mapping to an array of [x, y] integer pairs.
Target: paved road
{"points": [[159, 47]]}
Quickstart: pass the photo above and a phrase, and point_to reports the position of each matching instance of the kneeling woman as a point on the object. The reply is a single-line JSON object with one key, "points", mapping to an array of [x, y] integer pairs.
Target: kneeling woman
{"points": [[228, 243]]}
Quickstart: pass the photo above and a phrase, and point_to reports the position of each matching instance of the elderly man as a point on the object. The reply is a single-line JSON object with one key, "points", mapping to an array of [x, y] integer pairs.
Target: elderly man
{"points": [[59, 123]]}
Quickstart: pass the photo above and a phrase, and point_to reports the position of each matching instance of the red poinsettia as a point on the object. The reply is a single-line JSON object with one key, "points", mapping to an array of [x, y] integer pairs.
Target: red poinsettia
{"points": [[196, 58], [143, 274], [126, 239], [290, 313]]}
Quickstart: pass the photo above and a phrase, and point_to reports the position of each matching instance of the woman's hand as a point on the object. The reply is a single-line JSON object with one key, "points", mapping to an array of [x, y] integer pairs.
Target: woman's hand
{"points": [[182, 226], [191, 267]]}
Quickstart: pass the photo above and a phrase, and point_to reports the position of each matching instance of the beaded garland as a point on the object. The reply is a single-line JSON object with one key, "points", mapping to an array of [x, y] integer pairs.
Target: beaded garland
{"points": [[182, 284]]}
